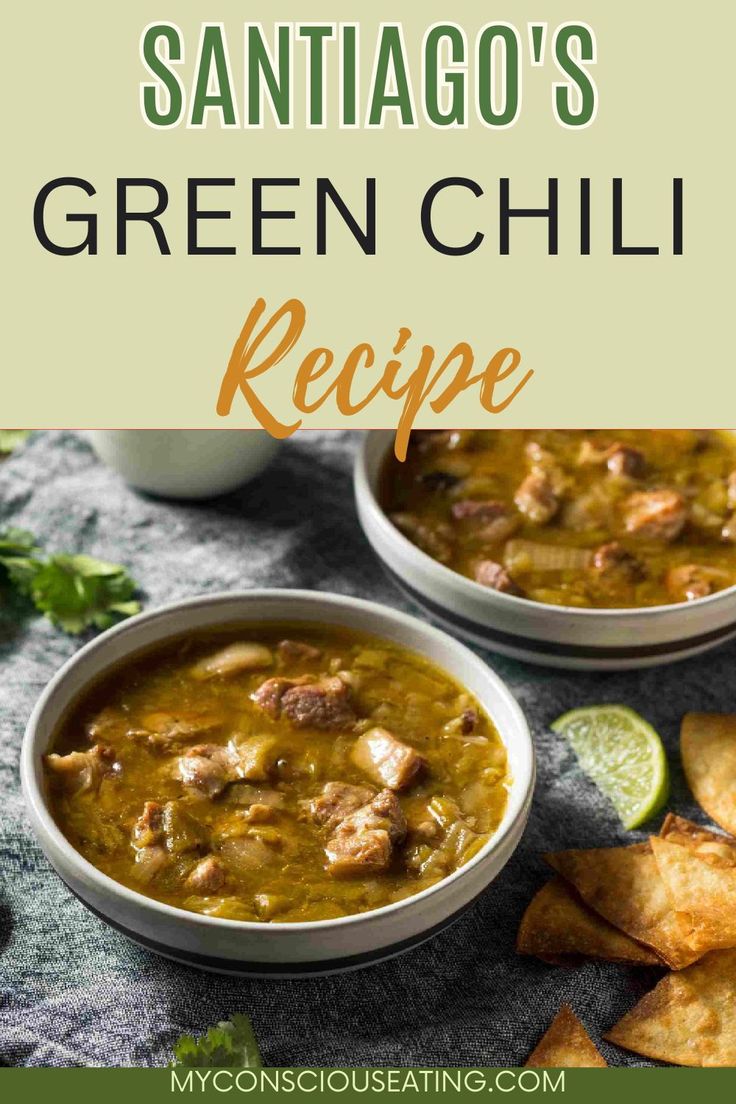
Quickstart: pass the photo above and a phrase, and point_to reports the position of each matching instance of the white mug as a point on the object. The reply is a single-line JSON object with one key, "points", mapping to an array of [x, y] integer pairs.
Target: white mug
{"points": [[185, 463]]}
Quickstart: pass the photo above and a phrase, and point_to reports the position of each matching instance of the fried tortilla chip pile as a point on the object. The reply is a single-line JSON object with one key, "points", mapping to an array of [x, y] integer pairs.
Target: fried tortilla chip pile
{"points": [[566, 1044], [708, 749], [558, 928], [665, 902], [671, 902], [689, 1019]]}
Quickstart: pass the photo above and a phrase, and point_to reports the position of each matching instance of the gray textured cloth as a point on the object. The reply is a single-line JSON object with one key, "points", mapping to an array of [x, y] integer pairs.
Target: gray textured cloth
{"points": [[74, 992]]}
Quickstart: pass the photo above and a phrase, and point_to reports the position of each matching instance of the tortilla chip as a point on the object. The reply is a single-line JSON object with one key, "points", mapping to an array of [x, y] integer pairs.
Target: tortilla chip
{"points": [[557, 925], [623, 884], [702, 889], [566, 1044], [678, 830], [708, 748], [689, 1019]]}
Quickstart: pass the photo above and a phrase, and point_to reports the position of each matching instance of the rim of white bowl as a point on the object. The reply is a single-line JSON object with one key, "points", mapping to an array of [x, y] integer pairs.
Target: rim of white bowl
{"points": [[520, 792], [365, 491]]}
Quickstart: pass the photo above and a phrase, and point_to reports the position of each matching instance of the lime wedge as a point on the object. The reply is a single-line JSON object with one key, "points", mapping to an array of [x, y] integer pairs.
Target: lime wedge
{"points": [[623, 755]]}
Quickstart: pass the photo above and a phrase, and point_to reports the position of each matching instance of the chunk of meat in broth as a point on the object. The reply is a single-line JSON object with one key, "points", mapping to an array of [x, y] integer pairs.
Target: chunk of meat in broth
{"points": [[387, 760], [208, 876], [208, 768], [489, 521], [150, 861], [269, 694], [170, 825], [690, 581], [324, 704], [160, 833], [337, 801], [295, 651], [384, 812], [495, 576], [544, 462], [612, 561], [364, 841], [149, 827], [150, 858], [82, 771], [233, 660], [434, 539], [536, 499], [655, 515]]}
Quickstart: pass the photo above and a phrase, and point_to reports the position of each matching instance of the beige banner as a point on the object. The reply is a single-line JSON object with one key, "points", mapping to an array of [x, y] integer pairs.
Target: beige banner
{"points": [[526, 338]]}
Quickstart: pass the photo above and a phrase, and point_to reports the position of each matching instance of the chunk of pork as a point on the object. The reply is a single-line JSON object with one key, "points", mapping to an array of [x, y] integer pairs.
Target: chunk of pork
{"points": [[208, 876], [209, 768], [655, 515], [536, 499], [495, 576], [364, 841], [324, 704], [337, 801], [82, 771], [387, 760]]}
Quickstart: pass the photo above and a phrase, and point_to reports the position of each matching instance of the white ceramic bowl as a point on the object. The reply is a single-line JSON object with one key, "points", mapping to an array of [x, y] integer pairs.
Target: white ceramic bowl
{"points": [[285, 950], [185, 463], [557, 636]]}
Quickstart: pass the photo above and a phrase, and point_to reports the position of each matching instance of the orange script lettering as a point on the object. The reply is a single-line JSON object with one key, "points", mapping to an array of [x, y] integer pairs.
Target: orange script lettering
{"points": [[266, 341]]}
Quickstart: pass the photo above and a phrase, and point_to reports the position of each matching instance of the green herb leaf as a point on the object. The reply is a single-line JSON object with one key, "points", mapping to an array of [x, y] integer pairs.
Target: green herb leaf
{"points": [[231, 1044], [17, 542], [17, 558], [21, 571], [11, 439], [76, 592]]}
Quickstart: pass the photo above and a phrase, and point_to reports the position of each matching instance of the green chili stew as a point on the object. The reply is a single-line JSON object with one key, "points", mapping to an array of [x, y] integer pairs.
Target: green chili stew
{"points": [[588, 518], [285, 773]]}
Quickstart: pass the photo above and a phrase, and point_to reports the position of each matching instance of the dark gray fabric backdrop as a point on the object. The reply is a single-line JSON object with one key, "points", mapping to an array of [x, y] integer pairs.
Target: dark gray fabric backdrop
{"points": [[74, 992]]}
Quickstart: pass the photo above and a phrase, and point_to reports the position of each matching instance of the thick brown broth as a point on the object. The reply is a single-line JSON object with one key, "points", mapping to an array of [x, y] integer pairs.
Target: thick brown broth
{"points": [[587, 518], [134, 785]]}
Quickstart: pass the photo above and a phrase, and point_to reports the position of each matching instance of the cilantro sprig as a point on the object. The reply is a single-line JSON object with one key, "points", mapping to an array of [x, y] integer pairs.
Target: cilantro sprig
{"points": [[11, 439], [230, 1044], [74, 592]]}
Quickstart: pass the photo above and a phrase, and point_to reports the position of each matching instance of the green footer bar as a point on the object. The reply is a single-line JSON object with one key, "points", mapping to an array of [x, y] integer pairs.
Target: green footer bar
{"points": [[137, 1086]]}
